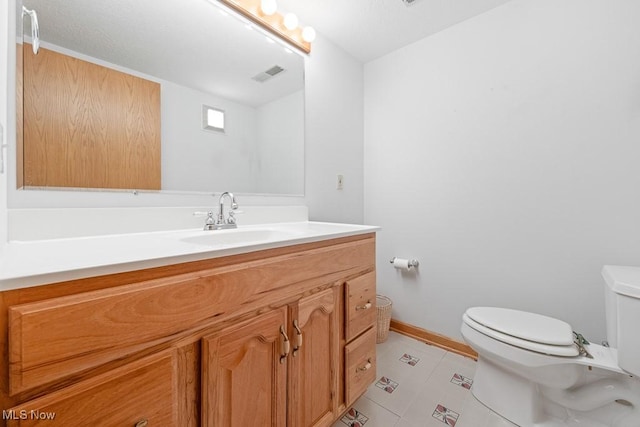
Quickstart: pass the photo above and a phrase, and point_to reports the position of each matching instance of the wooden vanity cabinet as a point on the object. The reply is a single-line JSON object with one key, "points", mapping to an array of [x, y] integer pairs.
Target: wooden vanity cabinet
{"points": [[254, 339]]}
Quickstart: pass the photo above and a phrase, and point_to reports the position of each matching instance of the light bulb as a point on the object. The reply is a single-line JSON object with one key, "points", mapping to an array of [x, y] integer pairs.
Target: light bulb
{"points": [[268, 7], [290, 21], [308, 34]]}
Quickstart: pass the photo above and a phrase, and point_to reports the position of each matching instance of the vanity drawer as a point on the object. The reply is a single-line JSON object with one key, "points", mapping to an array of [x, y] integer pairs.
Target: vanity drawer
{"points": [[144, 390], [361, 304], [360, 365]]}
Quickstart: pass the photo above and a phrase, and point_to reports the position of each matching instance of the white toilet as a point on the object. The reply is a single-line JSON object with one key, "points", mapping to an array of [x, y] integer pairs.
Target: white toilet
{"points": [[531, 372]]}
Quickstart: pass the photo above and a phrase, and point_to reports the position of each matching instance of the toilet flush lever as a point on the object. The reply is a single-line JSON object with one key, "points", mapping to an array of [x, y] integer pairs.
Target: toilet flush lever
{"points": [[580, 341]]}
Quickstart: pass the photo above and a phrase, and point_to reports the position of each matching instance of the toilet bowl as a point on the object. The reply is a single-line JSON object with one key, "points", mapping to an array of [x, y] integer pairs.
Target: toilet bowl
{"points": [[532, 373]]}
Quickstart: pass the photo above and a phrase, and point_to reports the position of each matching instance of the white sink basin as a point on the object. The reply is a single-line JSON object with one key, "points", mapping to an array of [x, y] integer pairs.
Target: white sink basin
{"points": [[237, 237], [255, 235]]}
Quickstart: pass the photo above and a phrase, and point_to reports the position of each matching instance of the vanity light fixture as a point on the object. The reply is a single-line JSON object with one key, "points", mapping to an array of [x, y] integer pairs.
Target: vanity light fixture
{"points": [[264, 14], [268, 7], [308, 34], [290, 21]]}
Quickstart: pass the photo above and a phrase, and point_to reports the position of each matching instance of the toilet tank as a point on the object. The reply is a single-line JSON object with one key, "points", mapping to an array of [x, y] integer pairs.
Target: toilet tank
{"points": [[622, 299]]}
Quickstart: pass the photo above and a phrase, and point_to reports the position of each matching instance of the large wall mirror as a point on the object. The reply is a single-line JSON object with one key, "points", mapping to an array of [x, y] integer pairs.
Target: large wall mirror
{"points": [[156, 95]]}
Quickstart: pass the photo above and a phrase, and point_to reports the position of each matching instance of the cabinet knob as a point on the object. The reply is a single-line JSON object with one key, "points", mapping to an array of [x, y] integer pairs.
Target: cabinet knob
{"points": [[367, 306], [142, 423], [365, 367]]}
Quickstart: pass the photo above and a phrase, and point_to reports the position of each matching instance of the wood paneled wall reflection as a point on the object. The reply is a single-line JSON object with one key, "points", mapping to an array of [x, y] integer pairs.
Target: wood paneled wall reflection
{"points": [[88, 126]]}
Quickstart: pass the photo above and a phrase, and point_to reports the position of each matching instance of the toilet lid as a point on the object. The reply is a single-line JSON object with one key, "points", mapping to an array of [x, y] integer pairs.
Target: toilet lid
{"points": [[554, 350], [526, 330]]}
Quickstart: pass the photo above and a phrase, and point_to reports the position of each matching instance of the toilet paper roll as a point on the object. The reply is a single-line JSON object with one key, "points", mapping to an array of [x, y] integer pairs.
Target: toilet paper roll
{"points": [[401, 264]]}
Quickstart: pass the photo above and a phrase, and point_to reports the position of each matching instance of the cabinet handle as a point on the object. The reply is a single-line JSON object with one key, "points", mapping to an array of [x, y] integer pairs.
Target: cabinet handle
{"points": [[142, 423], [285, 345], [298, 343], [364, 368], [367, 306]]}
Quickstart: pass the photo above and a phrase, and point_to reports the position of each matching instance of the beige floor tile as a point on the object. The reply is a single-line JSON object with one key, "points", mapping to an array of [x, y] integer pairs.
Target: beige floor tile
{"points": [[473, 413], [366, 413], [495, 420], [405, 423], [430, 402], [395, 338], [394, 394], [453, 357], [454, 376], [403, 362]]}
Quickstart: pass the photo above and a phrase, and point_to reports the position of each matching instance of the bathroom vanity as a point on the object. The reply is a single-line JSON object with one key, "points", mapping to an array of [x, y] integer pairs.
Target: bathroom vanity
{"points": [[282, 334]]}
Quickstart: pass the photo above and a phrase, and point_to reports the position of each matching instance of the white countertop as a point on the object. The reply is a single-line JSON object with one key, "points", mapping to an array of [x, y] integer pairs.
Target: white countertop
{"points": [[37, 262]]}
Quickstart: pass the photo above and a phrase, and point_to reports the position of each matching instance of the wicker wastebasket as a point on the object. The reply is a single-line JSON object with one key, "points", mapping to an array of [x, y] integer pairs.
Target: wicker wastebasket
{"points": [[383, 306]]}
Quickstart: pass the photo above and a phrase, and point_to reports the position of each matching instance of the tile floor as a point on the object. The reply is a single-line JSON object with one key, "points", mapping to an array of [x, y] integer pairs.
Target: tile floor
{"points": [[419, 385]]}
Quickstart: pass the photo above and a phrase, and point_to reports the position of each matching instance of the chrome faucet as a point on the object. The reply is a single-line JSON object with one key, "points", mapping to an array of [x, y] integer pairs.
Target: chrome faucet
{"points": [[222, 223]]}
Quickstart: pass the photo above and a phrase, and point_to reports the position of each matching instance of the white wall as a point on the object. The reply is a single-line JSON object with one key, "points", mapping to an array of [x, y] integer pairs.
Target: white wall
{"points": [[259, 152], [202, 160], [334, 134], [503, 154], [280, 156]]}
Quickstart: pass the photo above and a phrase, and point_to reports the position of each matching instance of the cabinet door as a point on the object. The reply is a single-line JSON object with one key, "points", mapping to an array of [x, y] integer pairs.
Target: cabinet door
{"points": [[313, 379], [244, 378]]}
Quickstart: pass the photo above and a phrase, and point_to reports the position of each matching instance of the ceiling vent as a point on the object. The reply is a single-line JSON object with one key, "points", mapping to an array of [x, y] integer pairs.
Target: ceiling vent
{"points": [[268, 74], [409, 2]]}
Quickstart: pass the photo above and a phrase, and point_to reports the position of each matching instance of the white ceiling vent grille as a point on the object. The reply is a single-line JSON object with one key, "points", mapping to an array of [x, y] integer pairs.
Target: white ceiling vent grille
{"points": [[409, 2], [268, 74]]}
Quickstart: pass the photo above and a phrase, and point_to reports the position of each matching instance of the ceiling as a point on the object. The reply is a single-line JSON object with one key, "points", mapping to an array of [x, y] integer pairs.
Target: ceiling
{"points": [[369, 29]]}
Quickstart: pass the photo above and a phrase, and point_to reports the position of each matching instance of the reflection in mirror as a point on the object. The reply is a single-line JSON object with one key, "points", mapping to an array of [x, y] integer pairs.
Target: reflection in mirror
{"points": [[115, 99]]}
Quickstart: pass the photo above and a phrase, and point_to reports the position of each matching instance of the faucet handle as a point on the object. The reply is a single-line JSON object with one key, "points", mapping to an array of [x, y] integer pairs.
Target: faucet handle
{"points": [[208, 224], [231, 219], [210, 219]]}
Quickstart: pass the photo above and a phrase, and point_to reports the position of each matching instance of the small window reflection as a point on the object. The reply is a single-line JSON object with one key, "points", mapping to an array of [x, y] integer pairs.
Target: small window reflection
{"points": [[212, 118]]}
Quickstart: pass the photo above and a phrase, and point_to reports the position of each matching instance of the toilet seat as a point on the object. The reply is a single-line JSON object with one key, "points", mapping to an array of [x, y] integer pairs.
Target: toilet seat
{"points": [[529, 331]]}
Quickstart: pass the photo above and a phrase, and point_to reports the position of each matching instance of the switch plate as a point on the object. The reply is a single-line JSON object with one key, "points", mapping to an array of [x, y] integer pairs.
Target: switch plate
{"points": [[340, 182]]}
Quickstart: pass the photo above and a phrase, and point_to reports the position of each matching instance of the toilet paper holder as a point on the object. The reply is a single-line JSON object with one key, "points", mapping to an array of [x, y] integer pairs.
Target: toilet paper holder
{"points": [[411, 262]]}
